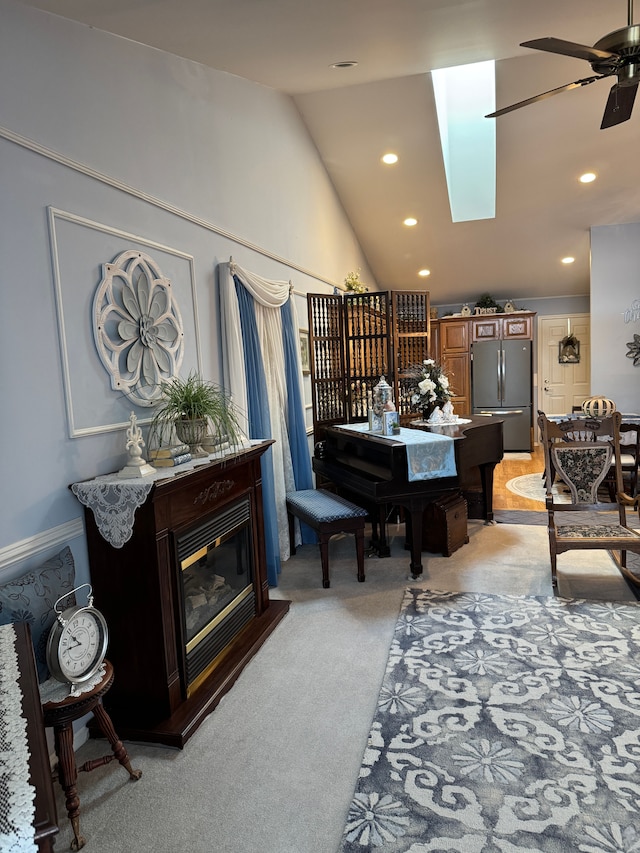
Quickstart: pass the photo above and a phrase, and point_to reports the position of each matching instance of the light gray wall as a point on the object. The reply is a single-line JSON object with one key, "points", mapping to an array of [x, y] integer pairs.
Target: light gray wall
{"points": [[615, 286], [162, 149]]}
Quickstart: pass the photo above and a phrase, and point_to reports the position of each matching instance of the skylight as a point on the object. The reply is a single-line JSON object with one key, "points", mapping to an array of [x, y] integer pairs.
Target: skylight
{"points": [[464, 95]]}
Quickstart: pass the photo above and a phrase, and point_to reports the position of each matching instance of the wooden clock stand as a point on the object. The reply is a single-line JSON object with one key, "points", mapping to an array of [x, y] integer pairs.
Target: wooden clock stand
{"points": [[61, 715]]}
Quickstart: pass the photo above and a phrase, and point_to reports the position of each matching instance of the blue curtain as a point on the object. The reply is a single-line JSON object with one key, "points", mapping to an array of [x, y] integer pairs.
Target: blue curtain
{"points": [[298, 441], [259, 424]]}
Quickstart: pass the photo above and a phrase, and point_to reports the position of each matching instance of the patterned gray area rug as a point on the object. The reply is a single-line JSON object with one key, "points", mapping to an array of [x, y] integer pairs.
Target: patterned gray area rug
{"points": [[521, 516], [505, 724], [526, 516]]}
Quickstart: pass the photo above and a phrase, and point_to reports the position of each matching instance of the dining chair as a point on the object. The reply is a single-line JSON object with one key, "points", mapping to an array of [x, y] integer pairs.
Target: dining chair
{"points": [[583, 453], [630, 455], [575, 429]]}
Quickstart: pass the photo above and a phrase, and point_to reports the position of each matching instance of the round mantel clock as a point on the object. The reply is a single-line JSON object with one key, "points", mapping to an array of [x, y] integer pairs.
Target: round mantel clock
{"points": [[77, 642]]}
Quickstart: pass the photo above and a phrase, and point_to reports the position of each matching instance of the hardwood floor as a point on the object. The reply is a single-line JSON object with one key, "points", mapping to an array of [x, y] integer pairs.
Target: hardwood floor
{"points": [[507, 470]]}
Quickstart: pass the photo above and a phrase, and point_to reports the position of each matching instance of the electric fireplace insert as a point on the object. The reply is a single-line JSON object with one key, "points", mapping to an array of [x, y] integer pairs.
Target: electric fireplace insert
{"points": [[218, 599]]}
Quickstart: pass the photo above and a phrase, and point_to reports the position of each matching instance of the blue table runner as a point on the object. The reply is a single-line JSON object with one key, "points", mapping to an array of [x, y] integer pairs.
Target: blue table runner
{"points": [[429, 455]]}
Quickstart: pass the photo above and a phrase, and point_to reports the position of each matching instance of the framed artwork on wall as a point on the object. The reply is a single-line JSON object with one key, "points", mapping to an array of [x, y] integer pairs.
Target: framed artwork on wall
{"points": [[304, 352]]}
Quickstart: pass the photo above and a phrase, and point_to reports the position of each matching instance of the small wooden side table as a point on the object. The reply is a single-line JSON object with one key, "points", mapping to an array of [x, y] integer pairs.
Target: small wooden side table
{"points": [[61, 715]]}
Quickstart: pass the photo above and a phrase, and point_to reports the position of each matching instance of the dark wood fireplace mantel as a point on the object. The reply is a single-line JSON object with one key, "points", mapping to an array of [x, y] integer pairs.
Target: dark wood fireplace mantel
{"points": [[138, 588]]}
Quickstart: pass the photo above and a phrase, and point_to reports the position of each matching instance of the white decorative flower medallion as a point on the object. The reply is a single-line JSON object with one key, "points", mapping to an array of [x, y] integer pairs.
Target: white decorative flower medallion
{"points": [[137, 327]]}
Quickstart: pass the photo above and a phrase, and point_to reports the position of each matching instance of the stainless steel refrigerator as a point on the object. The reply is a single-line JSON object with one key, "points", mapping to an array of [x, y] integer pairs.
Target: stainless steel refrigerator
{"points": [[501, 387]]}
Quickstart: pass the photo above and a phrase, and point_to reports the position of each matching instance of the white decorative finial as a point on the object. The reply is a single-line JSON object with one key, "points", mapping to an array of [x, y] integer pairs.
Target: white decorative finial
{"points": [[134, 437], [136, 466]]}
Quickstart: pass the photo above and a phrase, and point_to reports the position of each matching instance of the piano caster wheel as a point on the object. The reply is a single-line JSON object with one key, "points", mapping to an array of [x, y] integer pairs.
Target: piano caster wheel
{"points": [[489, 523]]}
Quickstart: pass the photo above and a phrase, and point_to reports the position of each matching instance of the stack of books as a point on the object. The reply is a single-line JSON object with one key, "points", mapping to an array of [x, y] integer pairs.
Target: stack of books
{"points": [[169, 457]]}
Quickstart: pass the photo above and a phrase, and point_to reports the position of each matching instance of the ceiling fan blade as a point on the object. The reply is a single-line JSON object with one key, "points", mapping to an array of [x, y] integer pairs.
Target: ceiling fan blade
{"points": [[575, 85], [619, 105], [569, 48]]}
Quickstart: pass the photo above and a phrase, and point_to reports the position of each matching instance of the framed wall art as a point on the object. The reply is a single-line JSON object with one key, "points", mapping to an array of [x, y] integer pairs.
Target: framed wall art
{"points": [[305, 356], [101, 274]]}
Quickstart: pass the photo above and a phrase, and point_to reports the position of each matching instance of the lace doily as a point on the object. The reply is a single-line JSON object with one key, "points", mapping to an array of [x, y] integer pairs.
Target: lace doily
{"points": [[53, 690], [114, 504], [17, 795], [453, 422]]}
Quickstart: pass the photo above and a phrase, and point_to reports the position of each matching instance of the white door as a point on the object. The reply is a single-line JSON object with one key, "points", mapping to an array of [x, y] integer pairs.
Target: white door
{"points": [[562, 385]]}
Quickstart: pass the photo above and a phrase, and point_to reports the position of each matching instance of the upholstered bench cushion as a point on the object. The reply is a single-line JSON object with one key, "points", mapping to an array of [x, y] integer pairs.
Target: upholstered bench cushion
{"points": [[322, 506], [327, 514], [594, 531]]}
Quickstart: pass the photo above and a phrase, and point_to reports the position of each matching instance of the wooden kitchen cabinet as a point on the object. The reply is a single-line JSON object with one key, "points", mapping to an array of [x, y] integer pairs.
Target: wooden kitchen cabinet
{"points": [[453, 355], [518, 326], [454, 336], [456, 367], [502, 327]]}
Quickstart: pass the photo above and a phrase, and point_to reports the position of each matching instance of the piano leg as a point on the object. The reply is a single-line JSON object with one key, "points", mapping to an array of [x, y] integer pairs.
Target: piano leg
{"points": [[382, 546], [486, 477], [378, 516], [413, 523]]}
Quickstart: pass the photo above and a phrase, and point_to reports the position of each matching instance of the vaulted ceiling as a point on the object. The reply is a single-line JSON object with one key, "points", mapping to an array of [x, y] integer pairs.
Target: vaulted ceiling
{"points": [[386, 102]]}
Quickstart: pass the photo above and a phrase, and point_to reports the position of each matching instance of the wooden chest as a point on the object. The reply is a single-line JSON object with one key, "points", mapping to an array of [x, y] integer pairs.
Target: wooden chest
{"points": [[444, 528]]}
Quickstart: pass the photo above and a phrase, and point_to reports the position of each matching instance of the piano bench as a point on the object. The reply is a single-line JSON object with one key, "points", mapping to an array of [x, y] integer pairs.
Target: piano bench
{"points": [[327, 514]]}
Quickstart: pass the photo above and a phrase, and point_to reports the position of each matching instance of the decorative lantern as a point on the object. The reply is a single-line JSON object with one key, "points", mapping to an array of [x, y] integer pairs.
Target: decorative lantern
{"points": [[598, 407], [382, 402]]}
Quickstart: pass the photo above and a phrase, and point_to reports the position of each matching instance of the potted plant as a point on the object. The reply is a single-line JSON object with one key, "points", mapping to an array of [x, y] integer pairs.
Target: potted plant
{"points": [[194, 407], [487, 302]]}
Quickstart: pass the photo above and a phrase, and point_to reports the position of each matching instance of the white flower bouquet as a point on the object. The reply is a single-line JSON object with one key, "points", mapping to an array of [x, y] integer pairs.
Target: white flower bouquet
{"points": [[431, 384], [353, 283]]}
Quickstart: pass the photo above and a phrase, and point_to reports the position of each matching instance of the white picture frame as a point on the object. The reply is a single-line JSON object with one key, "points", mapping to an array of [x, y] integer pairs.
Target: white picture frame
{"points": [[79, 247]]}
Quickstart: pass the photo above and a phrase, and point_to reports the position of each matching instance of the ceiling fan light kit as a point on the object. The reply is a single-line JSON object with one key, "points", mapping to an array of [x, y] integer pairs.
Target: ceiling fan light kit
{"points": [[616, 54]]}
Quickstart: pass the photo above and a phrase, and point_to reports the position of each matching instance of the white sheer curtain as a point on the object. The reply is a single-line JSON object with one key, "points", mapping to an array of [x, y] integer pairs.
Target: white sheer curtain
{"points": [[269, 296]]}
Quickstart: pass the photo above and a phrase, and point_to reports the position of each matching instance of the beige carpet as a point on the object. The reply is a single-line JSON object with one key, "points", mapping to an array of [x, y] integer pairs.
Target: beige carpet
{"points": [[273, 768]]}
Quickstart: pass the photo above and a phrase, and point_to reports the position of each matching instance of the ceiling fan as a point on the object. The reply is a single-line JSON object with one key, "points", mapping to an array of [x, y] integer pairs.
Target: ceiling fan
{"points": [[616, 54]]}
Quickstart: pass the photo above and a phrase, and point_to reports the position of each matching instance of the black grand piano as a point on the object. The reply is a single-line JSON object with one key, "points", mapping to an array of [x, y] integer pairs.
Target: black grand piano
{"points": [[371, 471]]}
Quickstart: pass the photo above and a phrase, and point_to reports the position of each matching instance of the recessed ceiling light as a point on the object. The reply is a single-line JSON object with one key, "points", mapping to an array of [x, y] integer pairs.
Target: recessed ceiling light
{"points": [[568, 260], [410, 221], [587, 177], [346, 63], [424, 273], [390, 158]]}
